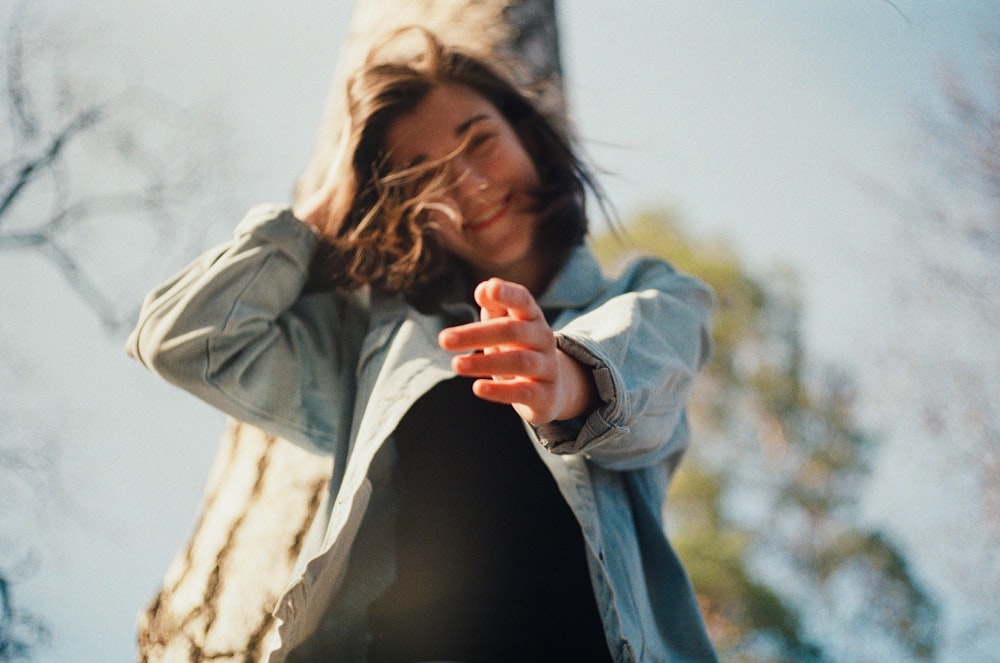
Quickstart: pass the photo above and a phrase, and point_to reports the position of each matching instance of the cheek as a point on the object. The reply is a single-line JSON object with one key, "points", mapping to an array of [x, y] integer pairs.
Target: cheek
{"points": [[446, 224], [527, 172], [452, 241], [442, 214]]}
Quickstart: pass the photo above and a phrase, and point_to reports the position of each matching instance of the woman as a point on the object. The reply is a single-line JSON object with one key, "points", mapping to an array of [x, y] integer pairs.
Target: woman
{"points": [[503, 419]]}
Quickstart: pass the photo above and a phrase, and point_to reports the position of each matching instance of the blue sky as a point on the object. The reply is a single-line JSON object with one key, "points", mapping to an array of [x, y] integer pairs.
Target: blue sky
{"points": [[756, 121]]}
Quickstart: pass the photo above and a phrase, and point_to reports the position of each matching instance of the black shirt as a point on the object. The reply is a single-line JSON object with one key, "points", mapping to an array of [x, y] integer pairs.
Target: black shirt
{"points": [[490, 559]]}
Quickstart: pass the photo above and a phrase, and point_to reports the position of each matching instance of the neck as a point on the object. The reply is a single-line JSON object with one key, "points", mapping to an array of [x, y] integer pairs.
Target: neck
{"points": [[532, 272]]}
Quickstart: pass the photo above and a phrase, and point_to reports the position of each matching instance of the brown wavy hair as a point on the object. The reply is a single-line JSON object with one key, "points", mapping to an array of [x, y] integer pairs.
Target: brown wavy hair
{"points": [[379, 230]]}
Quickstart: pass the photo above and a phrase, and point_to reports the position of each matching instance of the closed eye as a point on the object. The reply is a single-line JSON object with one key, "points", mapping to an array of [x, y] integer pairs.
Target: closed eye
{"points": [[480, 141]]}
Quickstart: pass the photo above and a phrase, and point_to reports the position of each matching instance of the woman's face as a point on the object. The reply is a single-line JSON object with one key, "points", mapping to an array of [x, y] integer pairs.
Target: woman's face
{"points": [[493, 179]]}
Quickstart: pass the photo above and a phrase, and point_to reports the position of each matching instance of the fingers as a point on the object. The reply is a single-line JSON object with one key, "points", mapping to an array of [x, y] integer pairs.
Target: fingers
{"points": [[512, 392], [505, 298], [513, 352], [505, 364], [510, 317], [490, 308], [512, 349], [498, 332]]}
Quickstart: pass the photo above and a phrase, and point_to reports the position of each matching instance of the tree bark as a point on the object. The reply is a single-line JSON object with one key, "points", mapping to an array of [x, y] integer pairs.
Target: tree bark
{"points": [[262, 494]]}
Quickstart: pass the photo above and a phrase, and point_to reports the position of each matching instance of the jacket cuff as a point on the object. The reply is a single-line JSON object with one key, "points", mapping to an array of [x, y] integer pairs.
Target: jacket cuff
{"points": [[606, 422]]}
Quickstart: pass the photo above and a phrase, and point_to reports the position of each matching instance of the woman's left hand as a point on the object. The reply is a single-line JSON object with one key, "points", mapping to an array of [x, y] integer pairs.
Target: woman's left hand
{"points": [[513, 351]]}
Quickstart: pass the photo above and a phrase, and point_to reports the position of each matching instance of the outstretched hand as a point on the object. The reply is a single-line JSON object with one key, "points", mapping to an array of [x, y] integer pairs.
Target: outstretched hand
{"points": [[513, 351]]}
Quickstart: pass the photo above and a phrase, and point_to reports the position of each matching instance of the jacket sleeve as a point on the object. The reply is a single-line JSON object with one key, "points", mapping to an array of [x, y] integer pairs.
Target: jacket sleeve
{"points": [[645, 344], [233, 329]]}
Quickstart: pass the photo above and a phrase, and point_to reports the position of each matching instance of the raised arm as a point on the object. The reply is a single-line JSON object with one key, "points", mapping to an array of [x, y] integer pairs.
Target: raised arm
{"points": [[233, 329]]}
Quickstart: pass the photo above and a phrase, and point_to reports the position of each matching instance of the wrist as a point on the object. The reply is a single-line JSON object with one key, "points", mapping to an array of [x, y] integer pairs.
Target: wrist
{"points": [[579, 389]]}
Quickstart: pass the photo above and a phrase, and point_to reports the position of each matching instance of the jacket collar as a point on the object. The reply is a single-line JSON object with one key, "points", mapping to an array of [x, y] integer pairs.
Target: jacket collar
{"points": [[577, 284]]}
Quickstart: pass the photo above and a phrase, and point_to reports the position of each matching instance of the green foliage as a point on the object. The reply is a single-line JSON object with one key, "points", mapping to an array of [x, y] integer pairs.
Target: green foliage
{"points": [[764, 509]]}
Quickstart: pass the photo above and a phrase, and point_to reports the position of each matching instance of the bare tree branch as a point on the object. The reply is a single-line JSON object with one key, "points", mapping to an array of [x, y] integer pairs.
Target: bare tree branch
{"points": [[83, 121], [83, 167], [898, 11], [942, 370], [99, 303], [17, 94], [121, 131]]}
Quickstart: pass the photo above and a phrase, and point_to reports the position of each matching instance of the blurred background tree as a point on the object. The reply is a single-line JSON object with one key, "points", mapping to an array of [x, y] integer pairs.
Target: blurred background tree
{"points": [[941, 365], [93, 168], [764, 510], [20, 631], [98, 181]]}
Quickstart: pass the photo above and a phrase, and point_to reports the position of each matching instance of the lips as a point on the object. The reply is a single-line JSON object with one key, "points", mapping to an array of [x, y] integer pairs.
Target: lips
{"points": [[488, 216]]}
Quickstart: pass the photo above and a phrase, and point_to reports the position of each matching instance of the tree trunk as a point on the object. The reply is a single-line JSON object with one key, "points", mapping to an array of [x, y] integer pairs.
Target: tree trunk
{"points": [[262, 494]]}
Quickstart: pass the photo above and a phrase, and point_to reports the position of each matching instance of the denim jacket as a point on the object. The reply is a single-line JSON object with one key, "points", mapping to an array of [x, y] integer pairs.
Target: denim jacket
{"points": [[336, 373]]}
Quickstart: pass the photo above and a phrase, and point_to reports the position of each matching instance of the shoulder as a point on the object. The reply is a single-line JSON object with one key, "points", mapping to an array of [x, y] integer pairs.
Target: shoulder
{"points": [[644, 272]]}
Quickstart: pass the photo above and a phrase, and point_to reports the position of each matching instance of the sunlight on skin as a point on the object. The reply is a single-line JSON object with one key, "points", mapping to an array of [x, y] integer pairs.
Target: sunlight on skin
{"points": [[515, 347]]}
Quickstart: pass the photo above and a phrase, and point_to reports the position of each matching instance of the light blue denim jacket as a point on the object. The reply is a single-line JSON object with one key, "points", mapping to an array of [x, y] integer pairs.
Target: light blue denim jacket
{"points": [[336, 373]]}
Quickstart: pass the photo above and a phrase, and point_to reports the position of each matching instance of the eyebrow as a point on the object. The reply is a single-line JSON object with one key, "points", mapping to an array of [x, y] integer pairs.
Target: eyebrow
{"points": [[460, 131], [465, 126]]}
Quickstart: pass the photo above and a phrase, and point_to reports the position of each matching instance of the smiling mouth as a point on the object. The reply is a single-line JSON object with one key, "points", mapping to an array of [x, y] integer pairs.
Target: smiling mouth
{"points": [[489, 216]]}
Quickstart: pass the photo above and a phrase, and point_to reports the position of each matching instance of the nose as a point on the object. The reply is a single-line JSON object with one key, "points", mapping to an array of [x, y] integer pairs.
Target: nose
{"points": [[470, 182]]}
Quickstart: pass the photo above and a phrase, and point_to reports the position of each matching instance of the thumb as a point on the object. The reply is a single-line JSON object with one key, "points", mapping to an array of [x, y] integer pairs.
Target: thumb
{"points": [[487, 296]]}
